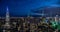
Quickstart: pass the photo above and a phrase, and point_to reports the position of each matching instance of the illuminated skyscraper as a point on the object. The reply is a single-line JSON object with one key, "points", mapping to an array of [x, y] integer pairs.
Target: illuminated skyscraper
{"points": [[7, 19], [56, 18], [7, 15]]}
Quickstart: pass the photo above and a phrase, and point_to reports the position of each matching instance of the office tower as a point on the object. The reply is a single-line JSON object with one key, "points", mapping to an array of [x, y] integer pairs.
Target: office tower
{"points": [[7, 19], [56, 18]]}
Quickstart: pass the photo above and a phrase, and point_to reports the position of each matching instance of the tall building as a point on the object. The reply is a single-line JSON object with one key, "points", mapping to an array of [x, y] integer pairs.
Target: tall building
{"points": [[56, 18], [7, 23], [7, 15]]}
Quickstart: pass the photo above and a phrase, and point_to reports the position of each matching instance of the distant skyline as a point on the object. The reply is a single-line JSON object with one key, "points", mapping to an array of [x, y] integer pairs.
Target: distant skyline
{"points": [[22, 7]]}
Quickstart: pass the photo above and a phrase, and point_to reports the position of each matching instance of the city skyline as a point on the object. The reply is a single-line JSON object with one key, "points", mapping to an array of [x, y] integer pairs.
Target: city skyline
{"points": [[19, 8]]}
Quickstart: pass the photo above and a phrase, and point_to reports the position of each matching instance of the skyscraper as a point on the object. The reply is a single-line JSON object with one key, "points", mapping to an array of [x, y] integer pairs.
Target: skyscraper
{"points": [[7, 15], [7, 24], [56, 18]]}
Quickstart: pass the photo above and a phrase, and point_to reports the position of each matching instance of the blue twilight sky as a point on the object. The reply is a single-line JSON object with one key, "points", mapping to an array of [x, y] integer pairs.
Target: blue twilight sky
{"points": [[22, 7]]}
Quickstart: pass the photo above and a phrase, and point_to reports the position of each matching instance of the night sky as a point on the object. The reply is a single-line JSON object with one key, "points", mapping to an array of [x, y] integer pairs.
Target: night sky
{"points": [[22, 7]]}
